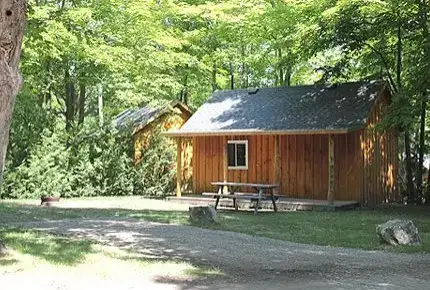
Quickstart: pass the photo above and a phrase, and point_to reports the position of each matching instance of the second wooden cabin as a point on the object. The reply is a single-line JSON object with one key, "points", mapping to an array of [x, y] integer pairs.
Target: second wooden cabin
{"points": [[147, 121], [317, 142]]}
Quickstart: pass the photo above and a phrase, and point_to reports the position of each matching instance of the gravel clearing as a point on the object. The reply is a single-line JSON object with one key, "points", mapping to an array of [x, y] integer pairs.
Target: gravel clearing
{"points": [[251, 262]]}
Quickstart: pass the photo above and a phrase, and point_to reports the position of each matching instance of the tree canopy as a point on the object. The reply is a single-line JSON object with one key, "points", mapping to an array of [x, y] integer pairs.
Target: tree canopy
{"points": [[135, 52]]}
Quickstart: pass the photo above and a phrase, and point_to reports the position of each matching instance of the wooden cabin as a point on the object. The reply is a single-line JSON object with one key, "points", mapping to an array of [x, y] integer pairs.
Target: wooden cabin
{"points": [[317, 142], [147, 120]]}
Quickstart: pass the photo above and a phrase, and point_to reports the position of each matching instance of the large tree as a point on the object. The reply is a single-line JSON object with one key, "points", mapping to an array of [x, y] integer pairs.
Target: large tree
{"points": [[12, 24]]}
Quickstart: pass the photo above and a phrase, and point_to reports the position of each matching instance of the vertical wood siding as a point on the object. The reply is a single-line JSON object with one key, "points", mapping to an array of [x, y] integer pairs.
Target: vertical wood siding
{"points": [[303, 162], [141, 140], [366, 176], [379, 159]]}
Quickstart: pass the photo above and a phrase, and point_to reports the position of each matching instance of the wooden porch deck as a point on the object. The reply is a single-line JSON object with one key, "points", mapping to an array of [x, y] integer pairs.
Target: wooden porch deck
{"points": [[283, 203]]}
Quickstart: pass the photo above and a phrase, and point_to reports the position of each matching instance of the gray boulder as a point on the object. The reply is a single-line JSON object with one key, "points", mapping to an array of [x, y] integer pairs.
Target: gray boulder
{"points": [[203, 214], [398, 232]]}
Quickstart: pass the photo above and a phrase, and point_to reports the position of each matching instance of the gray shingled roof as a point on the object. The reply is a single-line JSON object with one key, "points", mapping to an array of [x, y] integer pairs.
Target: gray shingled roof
{"points": [[136, 118], [139, 118], [336, 108]]}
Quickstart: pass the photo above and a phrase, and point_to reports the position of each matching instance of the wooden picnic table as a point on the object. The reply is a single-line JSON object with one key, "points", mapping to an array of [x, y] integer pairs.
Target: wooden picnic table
{"points": [[233, 188]]}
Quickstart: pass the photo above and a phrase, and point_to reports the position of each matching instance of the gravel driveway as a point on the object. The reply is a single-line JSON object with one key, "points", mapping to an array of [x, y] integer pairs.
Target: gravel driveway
{"points": [[254, 262]]}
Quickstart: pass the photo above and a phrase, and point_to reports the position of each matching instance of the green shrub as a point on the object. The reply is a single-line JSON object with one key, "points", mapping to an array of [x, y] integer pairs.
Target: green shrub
{"points": [[43, 173], [155, 174], [95, 163]]}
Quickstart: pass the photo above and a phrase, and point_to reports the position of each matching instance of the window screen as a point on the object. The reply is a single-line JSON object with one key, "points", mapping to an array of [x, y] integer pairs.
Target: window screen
{"points": [[231, 155], [237, 154], [240, 155]]}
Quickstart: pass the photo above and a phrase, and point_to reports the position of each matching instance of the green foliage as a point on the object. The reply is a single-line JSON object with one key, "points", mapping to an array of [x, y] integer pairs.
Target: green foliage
{"points": [[138, 52], [95, 164], [101, 164], [44, 172], [155, 174], [29, 121]]}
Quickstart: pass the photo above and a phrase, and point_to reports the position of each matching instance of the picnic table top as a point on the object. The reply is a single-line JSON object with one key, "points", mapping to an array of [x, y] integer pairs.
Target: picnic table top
{"points": [[258, 185], [245, 195]]}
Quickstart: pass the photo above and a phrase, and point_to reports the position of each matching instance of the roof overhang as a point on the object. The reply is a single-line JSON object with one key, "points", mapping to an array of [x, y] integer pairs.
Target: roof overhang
{"points": [[181, 133]]}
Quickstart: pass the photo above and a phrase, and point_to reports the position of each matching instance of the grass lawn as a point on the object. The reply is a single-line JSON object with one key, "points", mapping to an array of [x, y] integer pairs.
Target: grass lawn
{"points": [[124, 207], [353, 229], [46, 261]]}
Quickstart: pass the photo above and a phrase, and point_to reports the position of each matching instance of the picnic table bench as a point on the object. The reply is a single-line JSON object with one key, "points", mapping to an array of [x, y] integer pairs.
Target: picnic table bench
{"points": [[263, 191]]}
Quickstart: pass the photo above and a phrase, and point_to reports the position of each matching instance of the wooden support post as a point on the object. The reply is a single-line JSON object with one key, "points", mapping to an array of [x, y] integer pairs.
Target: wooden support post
{"points": [[179, 168], [277, 165], [330, 169], [225, 162]]}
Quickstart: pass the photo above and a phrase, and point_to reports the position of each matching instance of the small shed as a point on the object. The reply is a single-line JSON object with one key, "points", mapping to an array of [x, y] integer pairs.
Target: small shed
{"points": [[317, 142], [147, 119]]}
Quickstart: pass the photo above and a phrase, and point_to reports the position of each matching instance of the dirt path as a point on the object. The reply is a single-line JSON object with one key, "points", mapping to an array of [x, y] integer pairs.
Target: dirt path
{"points": [[253, 262]]}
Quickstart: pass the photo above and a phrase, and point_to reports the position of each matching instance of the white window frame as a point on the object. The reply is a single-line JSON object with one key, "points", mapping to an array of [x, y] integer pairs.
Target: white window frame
{"points": [[246, 154]]}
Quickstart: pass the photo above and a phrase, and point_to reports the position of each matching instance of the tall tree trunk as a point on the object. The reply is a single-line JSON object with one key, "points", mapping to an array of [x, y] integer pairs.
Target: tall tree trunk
{"points": [[70, 92], [399, 60], [184, 91], [12, 24], [100, 104], [427, 197], [423, 9], [214, 84], [279, 75], [281, 70], [82, 97], [231, 76], [46, 98], [243, 71], [288, 77], [421, 149], [409, 175]]}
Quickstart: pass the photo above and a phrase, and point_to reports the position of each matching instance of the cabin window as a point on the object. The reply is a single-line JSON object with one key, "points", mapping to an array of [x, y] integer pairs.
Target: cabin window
{"points": [[238, 154]]}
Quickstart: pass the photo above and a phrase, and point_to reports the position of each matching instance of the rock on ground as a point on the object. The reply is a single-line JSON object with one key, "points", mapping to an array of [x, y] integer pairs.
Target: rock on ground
{"points": [[398, 232], [202, 214]]}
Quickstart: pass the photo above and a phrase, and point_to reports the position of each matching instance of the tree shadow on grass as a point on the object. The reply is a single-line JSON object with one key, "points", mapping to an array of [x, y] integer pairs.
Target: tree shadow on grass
{"points": [[17, 213], [49, 247]]}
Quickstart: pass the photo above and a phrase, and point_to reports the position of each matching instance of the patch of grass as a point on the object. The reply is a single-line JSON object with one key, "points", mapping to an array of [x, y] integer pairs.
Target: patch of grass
{"points": [[7, 261], [204, 272], [65, 258], [51, 248], [167, 265], [168, 217], [14, 212], [351, 229]]}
